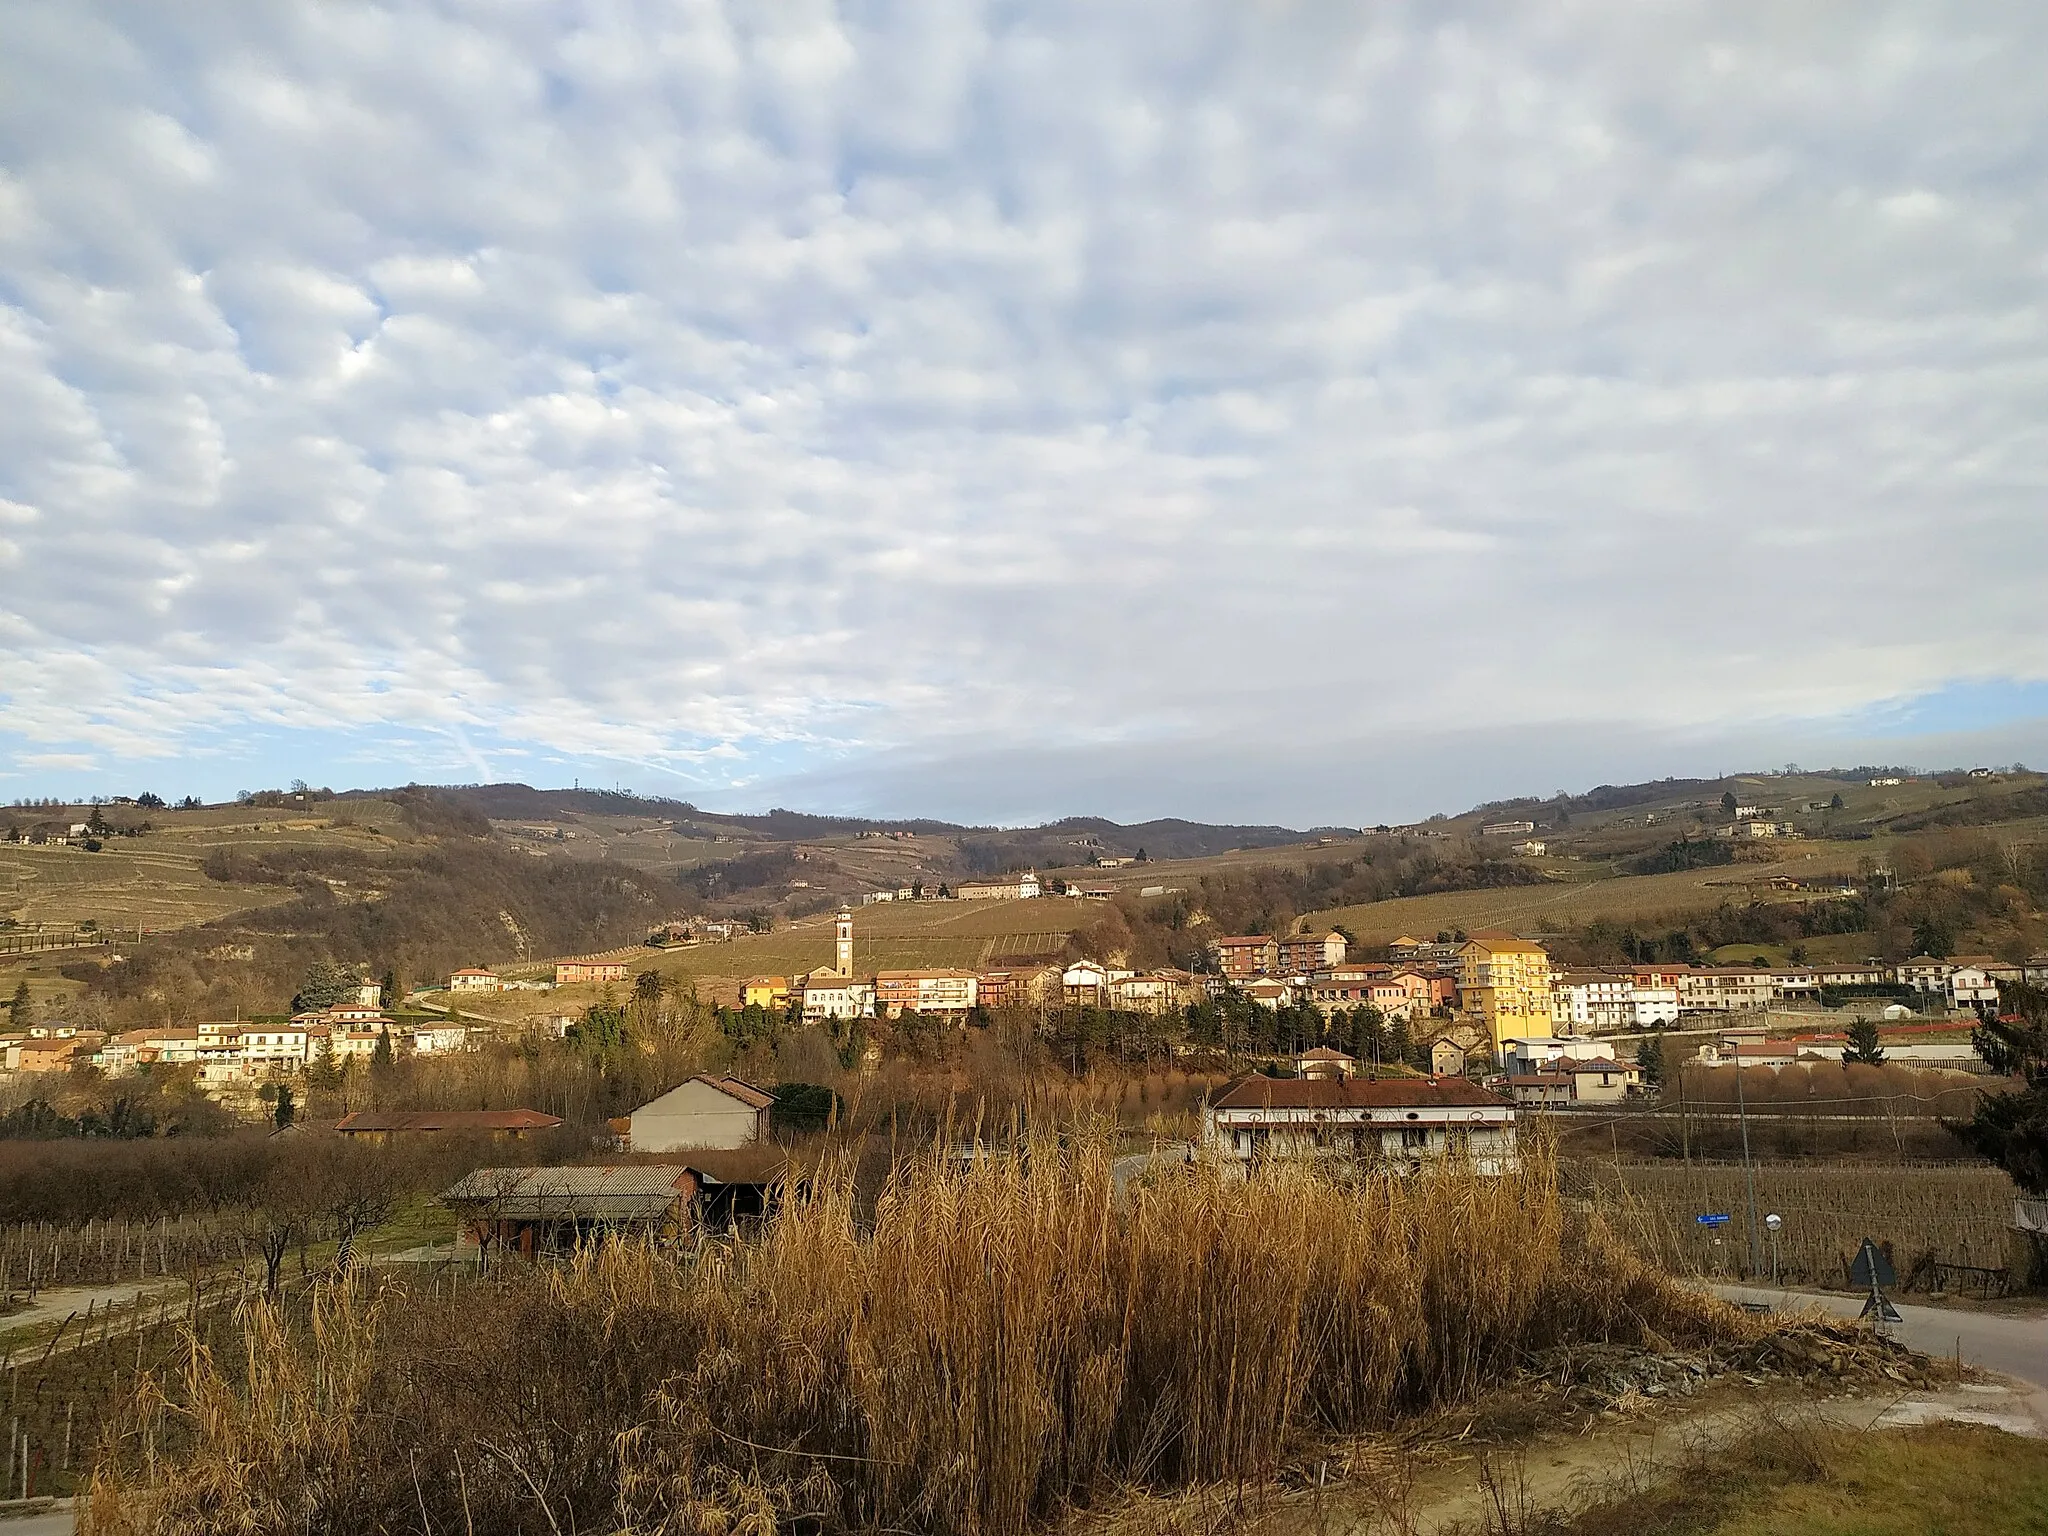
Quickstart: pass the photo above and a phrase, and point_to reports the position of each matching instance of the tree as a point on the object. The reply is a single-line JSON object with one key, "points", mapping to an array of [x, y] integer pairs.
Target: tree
{"points": [[325, 985], [1650, 1061], [381, 1058], [1863, 1047], [2011, 1128], [149, 802], [19, 1008], [1835, 804], [1728, 802], [283, 1110]]}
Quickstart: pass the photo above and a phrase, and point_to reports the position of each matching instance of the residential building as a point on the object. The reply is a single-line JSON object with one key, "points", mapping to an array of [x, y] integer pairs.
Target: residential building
{"points": [[703, 1112], [1393, 1123], [770, 992], [1725, 989], [1324, 1062], [1869, 974], [1009, 888], [570, 972], [440, 1039], [1529, 1053], [1446, 1057], [1656, 1007], [1155, 992], [474, 981], [932, 991], [1534, 848], [1972, 985], [1268, 993], [1591, 1002], [1507, 828], [830, 996], [1569, 1084], [1926, 973], [275, 1047], [1241, 958], [1305, 953], [1504, 986], [1085, 984]]}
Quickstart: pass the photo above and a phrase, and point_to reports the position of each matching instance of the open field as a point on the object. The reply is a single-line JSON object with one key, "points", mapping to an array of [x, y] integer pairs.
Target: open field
{"points": [[1956, 1215], [1531, 909]]}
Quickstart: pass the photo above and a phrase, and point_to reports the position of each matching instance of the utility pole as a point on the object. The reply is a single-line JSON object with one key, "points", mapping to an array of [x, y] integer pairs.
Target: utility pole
{"points": [[1748, 1168]]}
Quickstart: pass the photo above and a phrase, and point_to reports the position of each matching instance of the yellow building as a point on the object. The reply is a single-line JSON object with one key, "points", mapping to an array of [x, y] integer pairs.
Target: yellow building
{"points": [[769, 992], [1504, 987]]}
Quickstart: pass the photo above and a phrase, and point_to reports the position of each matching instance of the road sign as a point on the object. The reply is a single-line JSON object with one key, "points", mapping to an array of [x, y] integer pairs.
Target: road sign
{"points": [[1880, 1307], [1871, 1267], [1719, 1219]]}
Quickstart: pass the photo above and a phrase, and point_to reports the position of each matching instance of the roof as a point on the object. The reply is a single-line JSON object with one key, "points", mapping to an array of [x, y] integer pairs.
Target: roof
{"points": [[1355, 1093], [448, 1120], [766, 981], [637, 1192], [733, 1087], [473, 971], [1324, 1053], [928, 973], [1244, 938], [1505, 943]]}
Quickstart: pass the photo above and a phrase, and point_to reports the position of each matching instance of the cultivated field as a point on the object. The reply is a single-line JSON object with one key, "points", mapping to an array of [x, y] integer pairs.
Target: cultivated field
{"points": [[1956, 1215], [1620, 898], [158, 880]]}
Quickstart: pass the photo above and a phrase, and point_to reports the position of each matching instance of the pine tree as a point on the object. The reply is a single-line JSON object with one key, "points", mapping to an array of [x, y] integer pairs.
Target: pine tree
{"points": [[1863, 1047], [1650, 1060], [382, 1058], [20, 1007]]}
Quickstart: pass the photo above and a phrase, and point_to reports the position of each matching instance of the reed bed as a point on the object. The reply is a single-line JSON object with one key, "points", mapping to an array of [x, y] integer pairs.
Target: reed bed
{"points": [[993, 1345]]}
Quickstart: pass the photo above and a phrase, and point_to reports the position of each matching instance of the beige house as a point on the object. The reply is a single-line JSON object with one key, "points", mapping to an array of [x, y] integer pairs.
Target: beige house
{"points": [[714, 1112], [474, 981]]}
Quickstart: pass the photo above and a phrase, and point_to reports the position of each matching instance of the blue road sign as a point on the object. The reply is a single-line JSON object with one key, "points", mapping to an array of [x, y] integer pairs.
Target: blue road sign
{"points": [[1716, 1220]]}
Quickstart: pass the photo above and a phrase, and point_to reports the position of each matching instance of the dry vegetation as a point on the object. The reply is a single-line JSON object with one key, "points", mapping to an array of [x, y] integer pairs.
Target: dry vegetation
{"points": [[993, 1346], [1920, 1214]]}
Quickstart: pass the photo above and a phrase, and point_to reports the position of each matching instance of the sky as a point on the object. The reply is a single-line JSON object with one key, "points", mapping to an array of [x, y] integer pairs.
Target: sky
{"points": [[1239, 409]]}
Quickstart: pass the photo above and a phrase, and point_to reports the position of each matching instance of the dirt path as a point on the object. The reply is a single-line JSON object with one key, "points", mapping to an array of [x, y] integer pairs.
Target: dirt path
{"points": [[59, 1302], [1567, 1471]]}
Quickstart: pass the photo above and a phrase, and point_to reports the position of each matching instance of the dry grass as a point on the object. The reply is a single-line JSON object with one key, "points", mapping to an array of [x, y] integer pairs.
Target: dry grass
{"points": [[1956, 1215], [994, 1345]]}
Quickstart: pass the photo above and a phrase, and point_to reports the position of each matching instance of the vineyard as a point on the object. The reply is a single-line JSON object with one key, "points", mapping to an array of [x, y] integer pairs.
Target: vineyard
{"points": [[35, 1255], [1922, 1214]]}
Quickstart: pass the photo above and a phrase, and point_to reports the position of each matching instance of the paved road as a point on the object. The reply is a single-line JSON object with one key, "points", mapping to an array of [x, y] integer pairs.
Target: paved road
{"points": [[56, 1522], [2013, 1346]]}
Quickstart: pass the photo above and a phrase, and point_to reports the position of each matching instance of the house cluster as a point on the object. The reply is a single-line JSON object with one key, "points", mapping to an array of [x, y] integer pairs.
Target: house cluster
{"points": [[228, 1053]]}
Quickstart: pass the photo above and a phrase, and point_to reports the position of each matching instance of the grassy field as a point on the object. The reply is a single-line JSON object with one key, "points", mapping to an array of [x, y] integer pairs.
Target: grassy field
{"points": [[1957, 1215]]}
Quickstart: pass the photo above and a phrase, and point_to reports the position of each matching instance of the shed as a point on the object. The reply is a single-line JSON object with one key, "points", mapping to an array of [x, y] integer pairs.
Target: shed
{"points": [[499, 1124], [536, 1211], [705, 1112]]}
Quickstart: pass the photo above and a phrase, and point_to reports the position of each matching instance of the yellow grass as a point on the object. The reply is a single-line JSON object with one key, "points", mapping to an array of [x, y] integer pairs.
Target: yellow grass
{"points": [[993, 1346]]}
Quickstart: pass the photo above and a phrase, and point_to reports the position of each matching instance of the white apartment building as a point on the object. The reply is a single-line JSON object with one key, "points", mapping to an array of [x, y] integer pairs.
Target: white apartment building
{"points": [[1592, 1002], [1655, 1006], [474, 981]]}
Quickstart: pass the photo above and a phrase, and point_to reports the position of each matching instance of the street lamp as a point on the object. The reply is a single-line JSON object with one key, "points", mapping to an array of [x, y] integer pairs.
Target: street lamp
{"points": [[1773, 1222]]}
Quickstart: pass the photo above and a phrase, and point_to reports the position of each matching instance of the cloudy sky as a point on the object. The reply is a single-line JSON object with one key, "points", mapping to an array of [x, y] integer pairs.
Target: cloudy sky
{"points": [[1248, 409]]}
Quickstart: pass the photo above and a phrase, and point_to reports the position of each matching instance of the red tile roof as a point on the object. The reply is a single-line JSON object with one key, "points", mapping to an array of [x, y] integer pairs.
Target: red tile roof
{"points": [[1355, 1093], [448, 1120]]}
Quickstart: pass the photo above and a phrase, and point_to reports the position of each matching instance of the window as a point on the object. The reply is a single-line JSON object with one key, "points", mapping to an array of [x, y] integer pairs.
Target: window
{"points": [[1414, 1138]]}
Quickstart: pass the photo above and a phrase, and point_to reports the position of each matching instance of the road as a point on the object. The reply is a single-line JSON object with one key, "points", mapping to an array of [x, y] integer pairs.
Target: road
{"points": [[53, 1522], [2012, 1346]]}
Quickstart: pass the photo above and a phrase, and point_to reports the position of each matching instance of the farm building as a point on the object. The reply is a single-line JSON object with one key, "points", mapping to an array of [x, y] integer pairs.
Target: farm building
{"points": [[706, 1112], [540, 1211]]}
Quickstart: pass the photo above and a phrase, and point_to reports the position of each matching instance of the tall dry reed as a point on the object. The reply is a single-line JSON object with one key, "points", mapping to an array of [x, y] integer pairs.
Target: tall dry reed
{"points": [[995, 1343]]}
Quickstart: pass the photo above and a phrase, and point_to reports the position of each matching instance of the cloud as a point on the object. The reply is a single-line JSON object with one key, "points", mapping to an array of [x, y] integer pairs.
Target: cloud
{"points": [[750, 393]]}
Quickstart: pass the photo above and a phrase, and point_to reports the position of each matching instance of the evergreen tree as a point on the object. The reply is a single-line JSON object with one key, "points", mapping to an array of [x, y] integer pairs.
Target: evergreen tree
{"points": [[382, 1058], [2011, 1128], [284, 1111], [1863, 1046], [1650, 1060], [1836, 803], [1728, 802], [20, 1007]]}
